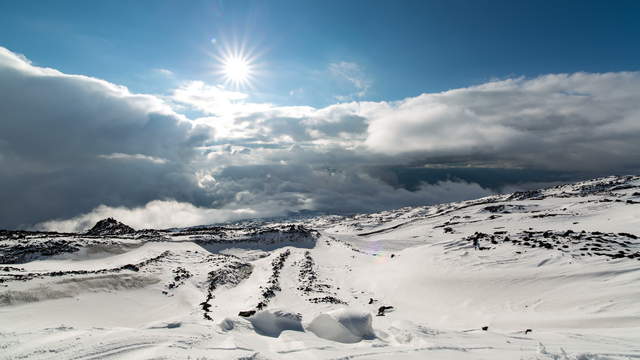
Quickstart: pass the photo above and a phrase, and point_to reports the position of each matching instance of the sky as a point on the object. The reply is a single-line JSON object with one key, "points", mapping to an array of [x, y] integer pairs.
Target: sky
{"points": [[172, 113]]}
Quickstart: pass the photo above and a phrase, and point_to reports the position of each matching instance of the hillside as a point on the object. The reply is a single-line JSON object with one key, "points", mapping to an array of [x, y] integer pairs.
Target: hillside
{"points": [[547, 274]]}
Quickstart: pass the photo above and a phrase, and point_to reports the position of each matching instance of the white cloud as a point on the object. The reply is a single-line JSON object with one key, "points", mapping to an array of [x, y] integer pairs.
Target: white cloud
{"points": [[354, 75], [567, 121], [157, 214], [70, 143], [208, 98], [141, 157], [245, 204], [164, 72]]}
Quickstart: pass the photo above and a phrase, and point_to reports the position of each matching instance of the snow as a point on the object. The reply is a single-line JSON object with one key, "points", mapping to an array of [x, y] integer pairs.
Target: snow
{"points": [[343, 325], [274, 322], [545, 293]]}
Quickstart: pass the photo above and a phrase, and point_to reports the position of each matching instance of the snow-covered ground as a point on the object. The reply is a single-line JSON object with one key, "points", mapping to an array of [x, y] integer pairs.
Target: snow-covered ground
{"points": [[551, 274]]}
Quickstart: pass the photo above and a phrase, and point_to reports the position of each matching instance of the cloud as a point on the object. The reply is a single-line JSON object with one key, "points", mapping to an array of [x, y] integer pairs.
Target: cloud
{"points": [[157, 214], [76, 148], [576, 121], [55, 133], [564, 122], [208, 98], [353, 74], [161, 214], [128, 157], [164, 72]]}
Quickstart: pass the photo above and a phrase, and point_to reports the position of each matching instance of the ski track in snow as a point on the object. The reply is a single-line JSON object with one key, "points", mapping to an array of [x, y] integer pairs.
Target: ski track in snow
{"points": [[551, 274]]}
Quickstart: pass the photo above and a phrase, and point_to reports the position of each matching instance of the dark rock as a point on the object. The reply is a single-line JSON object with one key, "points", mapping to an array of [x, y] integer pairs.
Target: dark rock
{"points": [[246, 313], [628, 235], [494, 208], [383, 309], [232, 273], [327, 299], [110, 226], [130, 267]]}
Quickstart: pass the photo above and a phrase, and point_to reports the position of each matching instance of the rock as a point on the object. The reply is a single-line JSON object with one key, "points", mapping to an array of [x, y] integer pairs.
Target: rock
{"points": [[246, 313], [327, 299], [382, 309], [628, 235], [131, 267], [485, 328], [495, 208], [110, 226]]}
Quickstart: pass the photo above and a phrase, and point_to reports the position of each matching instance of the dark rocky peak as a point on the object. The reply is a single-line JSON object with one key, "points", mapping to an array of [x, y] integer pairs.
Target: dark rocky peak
{"points": [[110, 226]]}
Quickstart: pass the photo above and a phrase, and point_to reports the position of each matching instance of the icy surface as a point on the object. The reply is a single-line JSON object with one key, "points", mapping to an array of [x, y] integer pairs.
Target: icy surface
{"points": [[548, 274]]}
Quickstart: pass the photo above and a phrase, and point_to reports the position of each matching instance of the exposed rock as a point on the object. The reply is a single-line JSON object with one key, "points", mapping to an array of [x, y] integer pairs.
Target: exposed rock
{"points": [[231, 273], [110, 226], [383, 309], [246, 313], [274, 281]]}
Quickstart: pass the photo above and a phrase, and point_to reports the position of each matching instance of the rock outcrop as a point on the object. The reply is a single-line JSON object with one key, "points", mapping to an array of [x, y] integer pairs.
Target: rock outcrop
{"points": [[110, 226]]}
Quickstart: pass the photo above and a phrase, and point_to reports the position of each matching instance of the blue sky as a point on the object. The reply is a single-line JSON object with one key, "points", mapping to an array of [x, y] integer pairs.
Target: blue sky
{"points": [[401, 48], [131, 109]]}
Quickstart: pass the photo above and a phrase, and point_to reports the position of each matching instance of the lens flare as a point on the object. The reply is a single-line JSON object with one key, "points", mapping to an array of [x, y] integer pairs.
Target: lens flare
{"points": [[237, 70], [236, 66]]}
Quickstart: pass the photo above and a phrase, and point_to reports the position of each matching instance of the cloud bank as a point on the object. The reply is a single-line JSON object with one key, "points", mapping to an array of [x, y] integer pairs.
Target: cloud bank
{"points": [[572, 122], [74, 149]]}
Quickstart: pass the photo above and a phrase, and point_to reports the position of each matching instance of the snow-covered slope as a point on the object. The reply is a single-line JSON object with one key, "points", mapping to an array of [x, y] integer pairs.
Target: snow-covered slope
{"points": [[549, 274]]}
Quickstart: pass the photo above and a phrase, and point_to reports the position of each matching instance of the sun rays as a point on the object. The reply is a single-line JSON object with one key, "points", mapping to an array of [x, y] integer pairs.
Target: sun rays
{"points": [[236, 66]]}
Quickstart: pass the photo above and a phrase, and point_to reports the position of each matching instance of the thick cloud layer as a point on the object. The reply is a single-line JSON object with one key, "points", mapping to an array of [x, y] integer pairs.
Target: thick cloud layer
{"points": [[74, 149], [160, 214], [577, 122], [69, 143]]}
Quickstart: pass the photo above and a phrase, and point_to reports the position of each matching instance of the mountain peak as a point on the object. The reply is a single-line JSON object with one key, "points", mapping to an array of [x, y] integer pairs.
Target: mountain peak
{"points": [[110, 226]]}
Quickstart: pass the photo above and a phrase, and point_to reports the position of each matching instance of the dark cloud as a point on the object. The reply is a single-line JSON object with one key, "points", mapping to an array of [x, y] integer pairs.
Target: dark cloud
{"points": [[58, 137], [74, 149]]}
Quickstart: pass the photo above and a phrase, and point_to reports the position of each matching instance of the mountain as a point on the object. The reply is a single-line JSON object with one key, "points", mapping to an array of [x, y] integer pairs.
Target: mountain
{"points": [[110, 226], [546, 274]]}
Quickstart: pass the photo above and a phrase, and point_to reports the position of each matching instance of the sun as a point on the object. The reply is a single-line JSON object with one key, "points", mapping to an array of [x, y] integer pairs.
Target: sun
{"points": [[237, 70], [236, 65]]}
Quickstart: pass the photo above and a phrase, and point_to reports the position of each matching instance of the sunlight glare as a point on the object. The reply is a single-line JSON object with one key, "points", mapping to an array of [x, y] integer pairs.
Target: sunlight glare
{"points": [[237, 70]]}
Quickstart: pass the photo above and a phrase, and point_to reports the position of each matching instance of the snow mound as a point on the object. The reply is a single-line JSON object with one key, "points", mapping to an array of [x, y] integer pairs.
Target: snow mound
{"points": [[273, 322], [343, 325], [227, 324]]}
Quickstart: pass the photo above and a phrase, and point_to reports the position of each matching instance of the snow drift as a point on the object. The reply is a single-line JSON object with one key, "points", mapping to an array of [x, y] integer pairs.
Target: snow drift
{"points": [[274, 322], [343, 325]]}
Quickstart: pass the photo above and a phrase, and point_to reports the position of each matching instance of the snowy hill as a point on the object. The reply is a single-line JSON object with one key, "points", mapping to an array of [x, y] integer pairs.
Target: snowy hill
{"points": [[548, 274]]}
